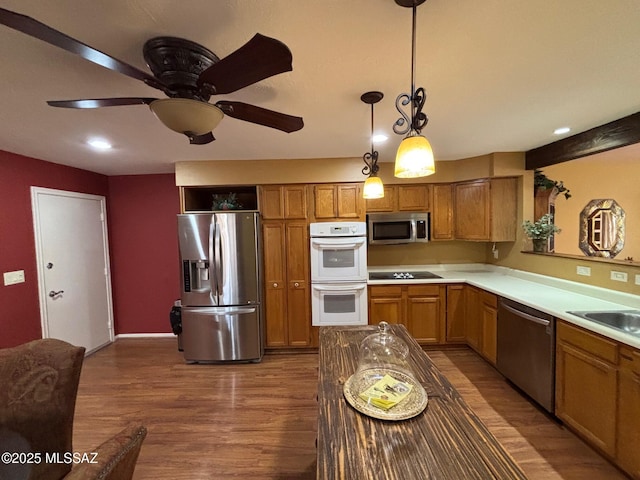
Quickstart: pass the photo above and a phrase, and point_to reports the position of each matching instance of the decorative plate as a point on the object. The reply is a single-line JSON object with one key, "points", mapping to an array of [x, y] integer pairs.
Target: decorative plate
{"points": [[409, 407]]}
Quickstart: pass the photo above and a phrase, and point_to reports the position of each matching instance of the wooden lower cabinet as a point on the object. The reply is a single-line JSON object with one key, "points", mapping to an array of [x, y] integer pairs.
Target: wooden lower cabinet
{"points": [[287, 290], [456, 331], [489, 326], [628, 420], [421, 308], [586, 385], [473, 320]]}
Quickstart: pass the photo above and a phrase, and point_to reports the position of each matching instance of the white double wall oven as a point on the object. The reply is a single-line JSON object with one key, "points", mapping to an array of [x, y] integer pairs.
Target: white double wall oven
{"points": [[338, 273]]}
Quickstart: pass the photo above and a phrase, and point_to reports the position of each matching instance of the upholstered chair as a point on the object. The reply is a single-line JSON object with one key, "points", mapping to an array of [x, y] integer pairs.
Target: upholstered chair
{"points": [[38, 389], [37, 402]]}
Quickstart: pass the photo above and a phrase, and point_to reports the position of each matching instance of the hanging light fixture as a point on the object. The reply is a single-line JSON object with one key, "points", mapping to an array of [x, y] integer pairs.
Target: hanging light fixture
{"points": [[415, 156], [373, 187]]}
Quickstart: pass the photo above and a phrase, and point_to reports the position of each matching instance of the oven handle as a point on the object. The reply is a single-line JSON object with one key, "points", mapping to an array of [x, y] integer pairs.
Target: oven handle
{"points": [[526, 316], [339, 288], [324, 244]]}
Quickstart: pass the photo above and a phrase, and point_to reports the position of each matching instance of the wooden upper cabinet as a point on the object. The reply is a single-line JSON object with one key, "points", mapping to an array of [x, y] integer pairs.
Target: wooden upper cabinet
{"points": [[283, 202], [442, 212], [413, 198], [338, 201], [485, 210], [401, 198], [388, 203]]}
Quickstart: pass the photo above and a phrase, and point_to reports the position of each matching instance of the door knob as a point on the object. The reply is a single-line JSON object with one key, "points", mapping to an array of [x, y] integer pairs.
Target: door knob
{"points": [[53, 294]]}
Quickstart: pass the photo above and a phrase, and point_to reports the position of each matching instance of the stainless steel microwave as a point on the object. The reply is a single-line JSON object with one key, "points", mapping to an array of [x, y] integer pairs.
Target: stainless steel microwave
{"points": [[394, 228]]}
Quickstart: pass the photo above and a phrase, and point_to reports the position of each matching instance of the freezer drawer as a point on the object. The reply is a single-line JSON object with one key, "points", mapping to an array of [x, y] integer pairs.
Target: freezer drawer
{"points": [[222, 334]]}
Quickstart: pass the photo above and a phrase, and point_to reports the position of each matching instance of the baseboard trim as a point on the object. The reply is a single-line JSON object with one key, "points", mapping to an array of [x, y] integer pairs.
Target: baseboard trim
{"points": [[144, 335]]}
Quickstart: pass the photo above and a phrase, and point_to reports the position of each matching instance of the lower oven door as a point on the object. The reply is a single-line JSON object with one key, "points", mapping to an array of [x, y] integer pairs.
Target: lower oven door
{"points": [[339, 304]]}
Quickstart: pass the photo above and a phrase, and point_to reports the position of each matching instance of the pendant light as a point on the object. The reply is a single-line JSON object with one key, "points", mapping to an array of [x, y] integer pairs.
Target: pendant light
{"points": [[415, 156], [373, 187]]}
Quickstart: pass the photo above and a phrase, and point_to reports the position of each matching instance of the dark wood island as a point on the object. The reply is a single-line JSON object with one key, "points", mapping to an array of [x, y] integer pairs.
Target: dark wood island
{"points": [[446, 441]]}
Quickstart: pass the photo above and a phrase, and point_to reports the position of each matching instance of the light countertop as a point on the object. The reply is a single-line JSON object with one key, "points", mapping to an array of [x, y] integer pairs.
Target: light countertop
{"points": [[547, 294]]}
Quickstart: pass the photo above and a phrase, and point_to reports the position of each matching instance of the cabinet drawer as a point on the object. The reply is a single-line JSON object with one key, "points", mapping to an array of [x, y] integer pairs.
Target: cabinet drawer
{"points": [[630, 359], [423, 290], [600, 347], [385, 291], [489, 299]]}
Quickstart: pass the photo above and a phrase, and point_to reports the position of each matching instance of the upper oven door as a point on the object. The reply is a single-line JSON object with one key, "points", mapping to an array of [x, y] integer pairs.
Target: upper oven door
{"points": [[342, 259]]}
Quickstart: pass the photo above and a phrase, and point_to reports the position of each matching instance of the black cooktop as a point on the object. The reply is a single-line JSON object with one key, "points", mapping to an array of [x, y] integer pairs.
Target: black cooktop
{"points": [[402, 275]]}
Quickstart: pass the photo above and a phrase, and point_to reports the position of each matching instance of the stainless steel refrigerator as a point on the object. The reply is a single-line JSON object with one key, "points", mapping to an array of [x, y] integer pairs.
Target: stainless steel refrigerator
{"points": [[221, 287]]}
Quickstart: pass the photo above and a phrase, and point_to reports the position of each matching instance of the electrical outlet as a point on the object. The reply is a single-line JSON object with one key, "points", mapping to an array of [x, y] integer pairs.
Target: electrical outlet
{"points": [[495, 253], [586, 271], [618, 276], [11, 278]]}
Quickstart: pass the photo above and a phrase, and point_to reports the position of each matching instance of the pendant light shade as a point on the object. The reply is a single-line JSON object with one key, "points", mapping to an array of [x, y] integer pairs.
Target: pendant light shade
{"points": [[414, 158], [373, 188]]}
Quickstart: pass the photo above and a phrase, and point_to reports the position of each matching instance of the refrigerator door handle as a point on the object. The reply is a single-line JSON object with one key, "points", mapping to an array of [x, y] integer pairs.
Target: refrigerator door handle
{"points": [[218, 259], [222, 310], [212, 260]]}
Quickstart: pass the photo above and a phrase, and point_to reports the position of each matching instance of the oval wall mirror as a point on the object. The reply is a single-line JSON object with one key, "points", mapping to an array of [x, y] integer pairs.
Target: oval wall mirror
{"points": [[602, 228]]}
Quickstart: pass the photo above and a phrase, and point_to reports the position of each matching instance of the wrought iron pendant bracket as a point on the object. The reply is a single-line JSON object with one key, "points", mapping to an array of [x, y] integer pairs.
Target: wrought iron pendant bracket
{"points": [[371, 159], [413, 122]]}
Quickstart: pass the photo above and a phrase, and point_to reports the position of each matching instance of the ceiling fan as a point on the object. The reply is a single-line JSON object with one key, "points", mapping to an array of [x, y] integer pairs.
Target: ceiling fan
{"points": [[187, 73]]}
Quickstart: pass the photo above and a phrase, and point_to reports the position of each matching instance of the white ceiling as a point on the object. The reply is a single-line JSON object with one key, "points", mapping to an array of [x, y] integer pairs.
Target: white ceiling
{"points": [[500, 75]]}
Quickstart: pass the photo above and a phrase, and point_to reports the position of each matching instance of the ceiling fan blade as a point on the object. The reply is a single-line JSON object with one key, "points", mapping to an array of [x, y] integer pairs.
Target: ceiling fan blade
{"points": [[36, 29], [261, 116], [100, 102], [259, 58], [200, 139]]}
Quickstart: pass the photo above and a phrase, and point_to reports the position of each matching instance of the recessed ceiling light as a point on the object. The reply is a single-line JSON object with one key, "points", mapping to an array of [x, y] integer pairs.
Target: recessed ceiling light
{"points": [[99, 144], [561, 130], [379, 138]]}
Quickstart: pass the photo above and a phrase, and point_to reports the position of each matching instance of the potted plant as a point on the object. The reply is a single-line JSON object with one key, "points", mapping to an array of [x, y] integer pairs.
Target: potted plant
{"points": [[541, 183], [540, 231]]}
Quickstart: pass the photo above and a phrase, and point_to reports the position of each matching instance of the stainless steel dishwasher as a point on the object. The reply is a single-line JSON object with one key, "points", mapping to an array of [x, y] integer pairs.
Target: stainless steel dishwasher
{"points": [[526, 350]]}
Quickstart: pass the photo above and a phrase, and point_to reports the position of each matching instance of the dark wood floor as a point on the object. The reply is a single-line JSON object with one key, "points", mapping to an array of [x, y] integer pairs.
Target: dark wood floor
{"points": [[258, 421]]}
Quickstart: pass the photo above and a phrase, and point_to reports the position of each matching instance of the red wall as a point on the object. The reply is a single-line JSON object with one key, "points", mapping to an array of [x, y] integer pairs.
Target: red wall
{"points": [[19, 307], [145, 271]]}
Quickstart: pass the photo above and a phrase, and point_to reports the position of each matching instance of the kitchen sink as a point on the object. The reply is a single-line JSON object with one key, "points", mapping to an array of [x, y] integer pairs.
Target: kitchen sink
{"points": [[402, 275], [626, 320]]}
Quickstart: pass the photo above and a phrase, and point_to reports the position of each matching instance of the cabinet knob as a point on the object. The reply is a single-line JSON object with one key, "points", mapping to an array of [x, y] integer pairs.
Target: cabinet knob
{"points": [[296, 284], [275, 285]]}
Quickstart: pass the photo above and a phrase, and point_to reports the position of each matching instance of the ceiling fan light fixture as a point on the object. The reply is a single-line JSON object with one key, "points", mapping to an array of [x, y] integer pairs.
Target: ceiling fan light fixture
{"points": [[184, 115], [414, 158], [373, 188]]}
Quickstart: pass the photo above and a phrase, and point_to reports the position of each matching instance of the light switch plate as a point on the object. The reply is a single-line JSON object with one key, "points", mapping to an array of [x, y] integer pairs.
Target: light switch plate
{"points": [[637, 279], [586, 271], [618, 276], [11, 278]]}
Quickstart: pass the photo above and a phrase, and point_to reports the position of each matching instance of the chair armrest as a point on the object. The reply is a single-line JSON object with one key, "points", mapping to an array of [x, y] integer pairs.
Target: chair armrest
{"points": [[116, 458]]}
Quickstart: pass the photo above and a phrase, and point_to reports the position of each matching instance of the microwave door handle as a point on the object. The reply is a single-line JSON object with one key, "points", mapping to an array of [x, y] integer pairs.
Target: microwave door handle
{"points": [[414, 231]]}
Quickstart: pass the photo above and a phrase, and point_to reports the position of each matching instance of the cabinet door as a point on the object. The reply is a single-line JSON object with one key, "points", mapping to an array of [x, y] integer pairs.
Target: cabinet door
{"points": [[473, 317], [385, 204], [271, 204], [324, 200], [275, 302], [385, 304], [413, 198], [298, 291], [425, 313], [350, 202], [455, 331], [586, 395], [472, 214], [295, 201], [629, 412], [489, 325], [442, 212]]}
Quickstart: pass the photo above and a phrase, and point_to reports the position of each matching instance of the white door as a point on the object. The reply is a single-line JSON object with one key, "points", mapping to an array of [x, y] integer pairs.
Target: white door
{"points": [[72, 256]]}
